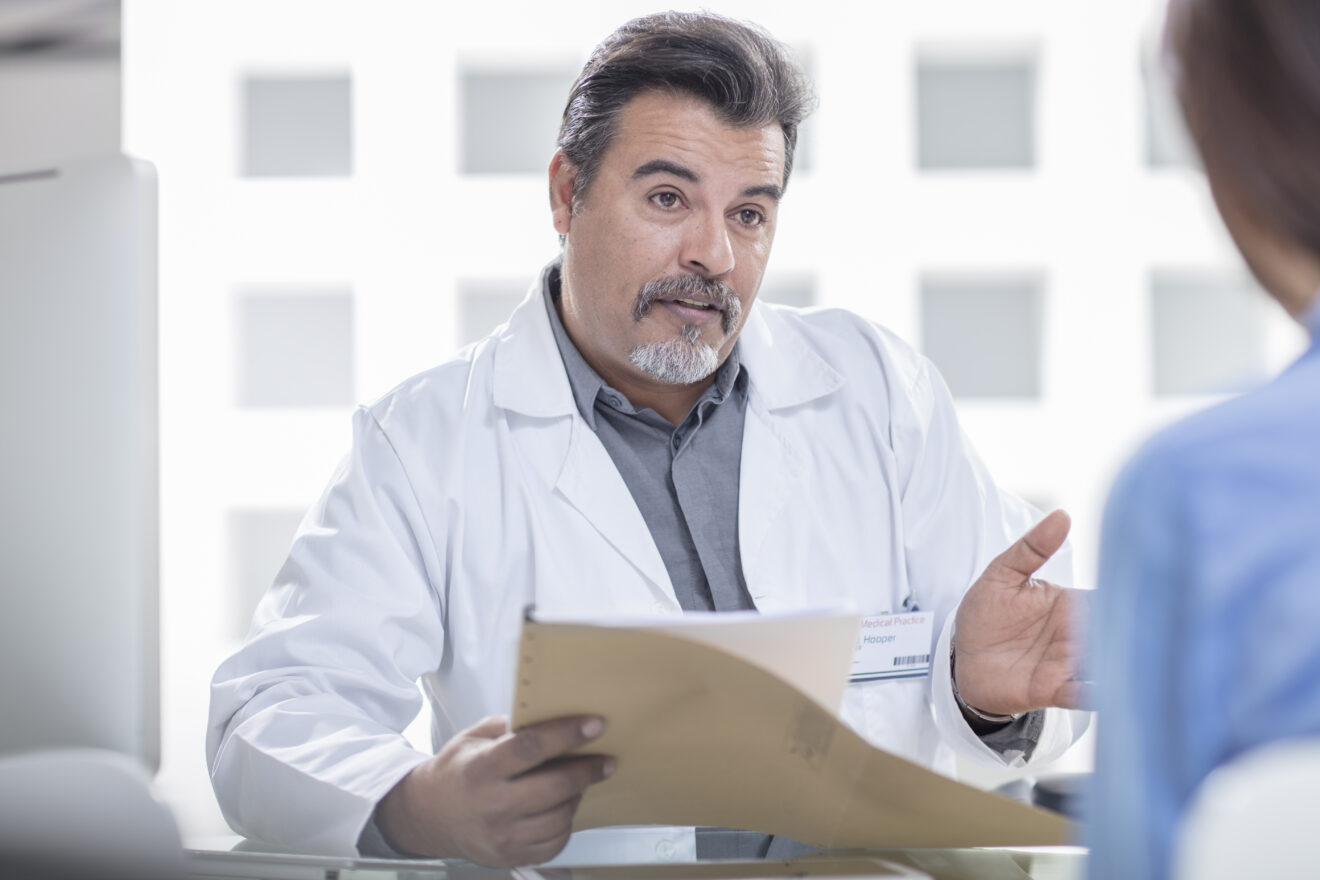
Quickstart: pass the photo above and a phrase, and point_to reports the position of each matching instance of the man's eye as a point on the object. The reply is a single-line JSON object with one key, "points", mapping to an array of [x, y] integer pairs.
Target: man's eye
{"points": [[750, 217], [665, 199]]}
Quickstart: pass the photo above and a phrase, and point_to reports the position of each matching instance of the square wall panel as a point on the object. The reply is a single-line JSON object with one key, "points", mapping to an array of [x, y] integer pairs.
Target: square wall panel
{"points": [[805, 150], [984, 334], [1207, 333], [976, 114], [789, 290], [510, 119], [484, 305], [294, 348], [1167, 142], [297, 126], [258, 542]]}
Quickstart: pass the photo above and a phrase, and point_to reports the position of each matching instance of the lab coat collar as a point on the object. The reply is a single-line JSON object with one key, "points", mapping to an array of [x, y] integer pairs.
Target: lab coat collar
{"points": [[784, 372], [529, 375]]}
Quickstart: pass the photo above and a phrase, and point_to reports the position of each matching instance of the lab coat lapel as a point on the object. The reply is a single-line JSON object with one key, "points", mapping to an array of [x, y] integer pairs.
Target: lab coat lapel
{"points": [[593, 485], [769, 476], [784, 373], [530, 379]]}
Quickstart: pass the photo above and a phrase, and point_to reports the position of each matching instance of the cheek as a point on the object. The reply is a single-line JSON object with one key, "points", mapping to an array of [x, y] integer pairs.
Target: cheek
{"points": [[749, 273], [753, 252]]}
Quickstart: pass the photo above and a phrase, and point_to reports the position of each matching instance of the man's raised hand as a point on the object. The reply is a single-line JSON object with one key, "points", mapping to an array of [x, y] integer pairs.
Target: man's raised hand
{"points": [[1016, 642]]}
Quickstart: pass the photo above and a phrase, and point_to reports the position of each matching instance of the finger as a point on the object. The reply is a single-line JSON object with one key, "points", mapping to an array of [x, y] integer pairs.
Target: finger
{"points": [[1032, 550], [525, 839], [533, 745], [548, 826], [558, 782], [490, 727], [544, 852]]}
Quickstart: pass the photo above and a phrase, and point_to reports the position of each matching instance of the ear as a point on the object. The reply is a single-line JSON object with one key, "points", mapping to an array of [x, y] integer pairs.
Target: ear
{"points": [[562, 175]]}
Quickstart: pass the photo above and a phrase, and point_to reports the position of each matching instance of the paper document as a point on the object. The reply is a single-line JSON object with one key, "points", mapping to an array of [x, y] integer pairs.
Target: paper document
{"points": [[705, 735], [812, 649]]}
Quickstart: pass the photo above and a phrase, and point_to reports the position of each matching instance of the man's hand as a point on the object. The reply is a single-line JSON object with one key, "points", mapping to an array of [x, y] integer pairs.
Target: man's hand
{"points": [[1016, 648], [496, 797]]}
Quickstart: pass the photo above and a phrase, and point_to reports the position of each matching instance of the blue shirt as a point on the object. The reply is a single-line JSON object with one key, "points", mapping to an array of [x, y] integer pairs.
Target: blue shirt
{"points": [[1207, 619]]}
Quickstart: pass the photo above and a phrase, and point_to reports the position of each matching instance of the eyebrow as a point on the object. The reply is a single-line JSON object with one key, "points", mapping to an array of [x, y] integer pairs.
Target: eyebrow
{"points": [[664, 166], [770, 191]]}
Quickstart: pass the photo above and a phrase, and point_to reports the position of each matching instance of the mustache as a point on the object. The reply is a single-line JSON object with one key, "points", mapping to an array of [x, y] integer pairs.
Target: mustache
{"points": [[710, 290]]}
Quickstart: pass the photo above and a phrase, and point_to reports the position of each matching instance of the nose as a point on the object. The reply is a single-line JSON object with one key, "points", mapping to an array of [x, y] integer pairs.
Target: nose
{"points": [[707, 250]]}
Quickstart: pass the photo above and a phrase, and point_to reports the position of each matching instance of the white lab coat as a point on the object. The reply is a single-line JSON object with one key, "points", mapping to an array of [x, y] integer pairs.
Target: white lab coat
{"points": [[476, 489]]}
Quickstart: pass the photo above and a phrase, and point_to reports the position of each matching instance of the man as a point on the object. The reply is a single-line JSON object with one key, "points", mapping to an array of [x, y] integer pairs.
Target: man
{"points": [[639, 437]]}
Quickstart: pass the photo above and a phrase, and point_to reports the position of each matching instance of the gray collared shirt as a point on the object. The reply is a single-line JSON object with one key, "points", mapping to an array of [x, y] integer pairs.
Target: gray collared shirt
{"points": [[684, 479]]}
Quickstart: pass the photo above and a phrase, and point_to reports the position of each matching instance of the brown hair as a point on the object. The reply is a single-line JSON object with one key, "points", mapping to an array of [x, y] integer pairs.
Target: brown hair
{"points": [[1248, 76], [746, 76]]}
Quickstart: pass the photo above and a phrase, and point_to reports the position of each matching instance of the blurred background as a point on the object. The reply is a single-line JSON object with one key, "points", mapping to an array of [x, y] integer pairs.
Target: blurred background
{"points": [[351, 191]]}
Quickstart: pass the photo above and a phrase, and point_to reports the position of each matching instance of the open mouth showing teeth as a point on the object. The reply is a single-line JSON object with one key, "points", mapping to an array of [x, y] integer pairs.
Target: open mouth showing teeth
{"points": [[694, 304]]}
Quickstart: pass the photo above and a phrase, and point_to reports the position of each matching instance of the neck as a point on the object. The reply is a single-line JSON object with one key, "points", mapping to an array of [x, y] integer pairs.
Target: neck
{"points": [[674, 406], [672, 402]]}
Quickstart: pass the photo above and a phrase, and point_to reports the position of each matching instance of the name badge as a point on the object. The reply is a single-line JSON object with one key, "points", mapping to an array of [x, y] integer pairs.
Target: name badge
{"points": [[893, 646]]}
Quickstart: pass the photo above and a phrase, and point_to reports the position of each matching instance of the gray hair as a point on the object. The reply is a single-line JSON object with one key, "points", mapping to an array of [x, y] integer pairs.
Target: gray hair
{"points": [[746, 76]]}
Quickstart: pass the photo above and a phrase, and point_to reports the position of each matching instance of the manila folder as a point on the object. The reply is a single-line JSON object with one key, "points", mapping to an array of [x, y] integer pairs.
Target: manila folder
{"points": [[704, 737]]}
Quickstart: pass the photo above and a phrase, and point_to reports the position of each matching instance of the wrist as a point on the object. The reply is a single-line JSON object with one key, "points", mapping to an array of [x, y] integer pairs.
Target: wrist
{"points": [[976, 717], [396, 819]]}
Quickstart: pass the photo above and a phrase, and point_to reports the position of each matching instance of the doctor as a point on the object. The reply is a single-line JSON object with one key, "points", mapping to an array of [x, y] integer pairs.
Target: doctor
{"points": [[641, 436]]}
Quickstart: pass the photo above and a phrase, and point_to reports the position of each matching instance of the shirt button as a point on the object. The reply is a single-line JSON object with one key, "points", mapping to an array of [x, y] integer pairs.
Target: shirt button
{"points": [[665, 851], [659, 607]]}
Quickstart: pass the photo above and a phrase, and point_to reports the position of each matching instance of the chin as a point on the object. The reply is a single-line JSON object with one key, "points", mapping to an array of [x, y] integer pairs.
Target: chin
{"points": [[677, 361]]}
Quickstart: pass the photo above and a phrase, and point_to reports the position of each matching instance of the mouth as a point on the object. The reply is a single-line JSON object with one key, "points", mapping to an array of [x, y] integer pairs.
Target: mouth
{"points": [[694, 304], [694, 301], [693, 312]]}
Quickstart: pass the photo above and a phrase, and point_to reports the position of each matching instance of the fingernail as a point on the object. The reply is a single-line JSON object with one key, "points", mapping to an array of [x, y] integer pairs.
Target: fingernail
{"points": [[607, 769], [592, 728]]}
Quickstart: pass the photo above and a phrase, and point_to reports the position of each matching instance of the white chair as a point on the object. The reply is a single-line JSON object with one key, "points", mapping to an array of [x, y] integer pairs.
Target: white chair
{"points": [[1256, 817]]}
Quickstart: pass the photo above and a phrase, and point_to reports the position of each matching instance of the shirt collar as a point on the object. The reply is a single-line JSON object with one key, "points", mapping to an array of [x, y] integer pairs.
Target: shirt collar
{"points": [[587, 384]]}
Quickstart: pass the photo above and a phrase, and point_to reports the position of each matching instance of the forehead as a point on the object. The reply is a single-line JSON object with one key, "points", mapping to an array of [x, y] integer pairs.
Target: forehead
{"points": [[685, 130]]}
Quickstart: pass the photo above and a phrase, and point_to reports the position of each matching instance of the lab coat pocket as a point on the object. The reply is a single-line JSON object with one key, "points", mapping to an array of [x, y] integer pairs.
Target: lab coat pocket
{"points": [[891, 715]]}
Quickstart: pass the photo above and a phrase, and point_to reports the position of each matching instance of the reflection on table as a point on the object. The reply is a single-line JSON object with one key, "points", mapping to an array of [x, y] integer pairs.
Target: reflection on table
{"points": [[235, 858]]}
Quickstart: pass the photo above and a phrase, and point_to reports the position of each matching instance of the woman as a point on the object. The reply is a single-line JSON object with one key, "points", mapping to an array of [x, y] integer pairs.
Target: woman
{"points": [[1208, 620]]}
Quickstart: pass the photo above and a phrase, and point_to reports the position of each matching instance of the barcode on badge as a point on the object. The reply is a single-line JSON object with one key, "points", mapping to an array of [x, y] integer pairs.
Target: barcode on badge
{"points": [[912, 659]]}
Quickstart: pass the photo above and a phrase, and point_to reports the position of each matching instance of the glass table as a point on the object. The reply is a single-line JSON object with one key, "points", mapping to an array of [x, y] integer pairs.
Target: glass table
{"points": [[215, 858]]}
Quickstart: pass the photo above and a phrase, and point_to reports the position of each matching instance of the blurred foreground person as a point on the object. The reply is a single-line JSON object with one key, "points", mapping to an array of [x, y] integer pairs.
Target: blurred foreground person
{"points": [[1208, 618]]}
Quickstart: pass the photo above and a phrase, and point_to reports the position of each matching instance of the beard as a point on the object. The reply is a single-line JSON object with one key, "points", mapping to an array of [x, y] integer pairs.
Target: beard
{"points": [[685, 359]]}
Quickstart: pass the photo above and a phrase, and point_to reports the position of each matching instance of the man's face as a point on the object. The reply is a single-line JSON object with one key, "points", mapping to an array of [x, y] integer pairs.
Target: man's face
{"points": [[664, 256]]}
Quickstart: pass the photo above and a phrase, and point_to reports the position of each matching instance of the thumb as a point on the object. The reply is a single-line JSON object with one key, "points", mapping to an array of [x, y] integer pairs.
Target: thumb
{"points": [[1031, 551]]}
